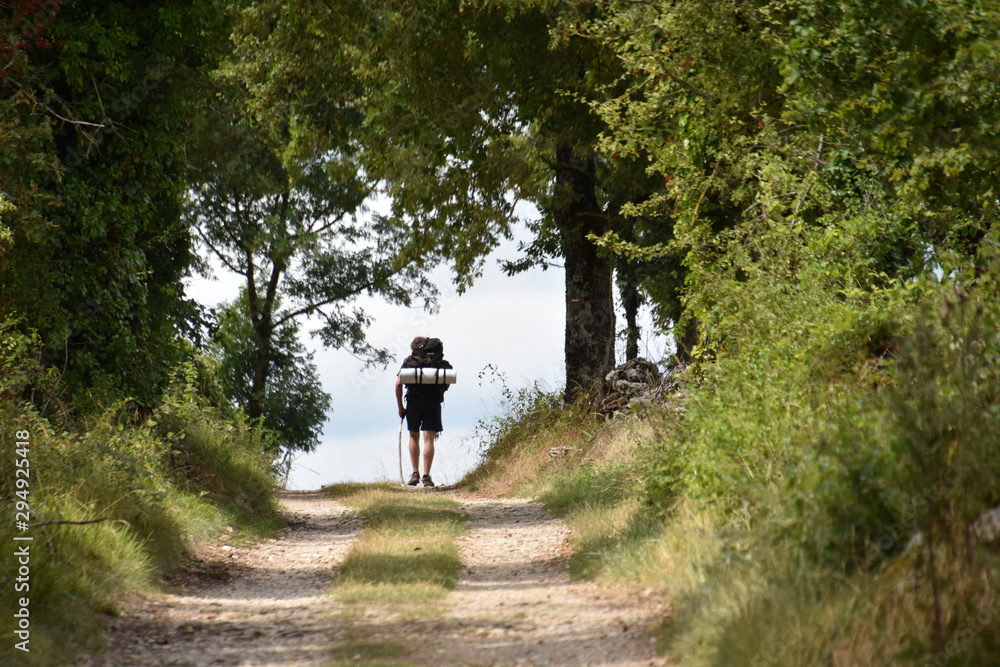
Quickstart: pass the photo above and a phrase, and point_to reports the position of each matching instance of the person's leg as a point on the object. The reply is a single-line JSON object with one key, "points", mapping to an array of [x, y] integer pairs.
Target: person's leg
{"points": [[415, 450], [428, 451]]}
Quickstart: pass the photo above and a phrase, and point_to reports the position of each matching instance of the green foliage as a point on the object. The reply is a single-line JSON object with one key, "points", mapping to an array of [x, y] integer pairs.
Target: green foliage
{"points": [[229, 460], [294, 232], [837, 421], [294, 404], [526, 411], [96, 173], [908, 83], [115, 500], [793, 314], [803, 113], [466, 110]]}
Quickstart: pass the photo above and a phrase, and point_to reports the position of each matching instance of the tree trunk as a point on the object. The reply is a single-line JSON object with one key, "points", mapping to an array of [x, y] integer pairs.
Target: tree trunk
{"points": [[688, 339], [630, 302], [628, 289], [590, 314], [261, 369], [261, 311], [262, 320]]}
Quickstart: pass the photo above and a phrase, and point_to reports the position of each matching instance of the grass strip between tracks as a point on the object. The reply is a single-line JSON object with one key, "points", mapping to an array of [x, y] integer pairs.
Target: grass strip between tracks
{"points": [[401, 566]]}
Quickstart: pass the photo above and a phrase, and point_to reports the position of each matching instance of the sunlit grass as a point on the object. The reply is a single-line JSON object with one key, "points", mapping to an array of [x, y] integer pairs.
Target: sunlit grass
{"points": [[368, 653], [346, 489], [408, 540], [411, 595], [401, 566]]}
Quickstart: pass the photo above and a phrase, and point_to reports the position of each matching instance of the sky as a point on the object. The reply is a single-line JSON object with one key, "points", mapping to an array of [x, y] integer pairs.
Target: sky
{"points": [[503, 329]]}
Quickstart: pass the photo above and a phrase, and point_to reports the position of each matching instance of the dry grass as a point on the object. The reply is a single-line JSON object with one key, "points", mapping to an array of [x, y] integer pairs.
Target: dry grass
{"points": [[401, 567]]}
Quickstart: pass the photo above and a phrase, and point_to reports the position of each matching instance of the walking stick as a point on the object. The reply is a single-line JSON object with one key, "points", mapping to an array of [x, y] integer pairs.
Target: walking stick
{"points": [[401, 480]]}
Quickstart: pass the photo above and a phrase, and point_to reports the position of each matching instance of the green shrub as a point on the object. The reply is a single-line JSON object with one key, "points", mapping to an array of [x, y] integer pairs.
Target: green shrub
{"points": [[837, 414]]}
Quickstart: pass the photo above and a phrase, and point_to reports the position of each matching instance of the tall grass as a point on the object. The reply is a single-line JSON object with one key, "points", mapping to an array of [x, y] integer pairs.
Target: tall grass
{"points": [[516, 442], [816, 500], [115, 503]]}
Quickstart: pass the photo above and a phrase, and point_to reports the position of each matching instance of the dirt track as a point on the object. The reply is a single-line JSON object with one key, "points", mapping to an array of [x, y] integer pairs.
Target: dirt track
{"points": [[267, 605]]}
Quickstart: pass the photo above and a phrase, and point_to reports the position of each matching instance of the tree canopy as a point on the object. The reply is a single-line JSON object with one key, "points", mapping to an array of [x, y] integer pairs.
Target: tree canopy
{"points": [[468, 110], [96, 173]]}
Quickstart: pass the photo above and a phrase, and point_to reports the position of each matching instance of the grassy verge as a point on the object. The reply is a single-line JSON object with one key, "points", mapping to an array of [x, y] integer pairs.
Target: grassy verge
{"points": [[775, 509], [587, 471], [115, 504], [397, 572]]}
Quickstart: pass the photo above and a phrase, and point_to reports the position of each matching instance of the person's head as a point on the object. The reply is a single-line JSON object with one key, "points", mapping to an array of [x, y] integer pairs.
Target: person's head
{"points": [[418, 343]]}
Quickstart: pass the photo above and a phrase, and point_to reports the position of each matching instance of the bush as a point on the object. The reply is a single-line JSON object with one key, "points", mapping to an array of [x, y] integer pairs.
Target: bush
{"points": [[836, 417], [792, 318], [228, 459]]}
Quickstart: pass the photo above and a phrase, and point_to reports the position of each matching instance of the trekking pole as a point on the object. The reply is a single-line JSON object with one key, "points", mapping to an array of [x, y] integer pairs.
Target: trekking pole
{"points": [[401, 480]]}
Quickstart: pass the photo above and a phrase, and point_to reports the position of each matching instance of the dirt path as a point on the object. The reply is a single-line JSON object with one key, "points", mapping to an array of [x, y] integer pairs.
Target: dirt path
{"points": [[514, 606], [264, 605]]}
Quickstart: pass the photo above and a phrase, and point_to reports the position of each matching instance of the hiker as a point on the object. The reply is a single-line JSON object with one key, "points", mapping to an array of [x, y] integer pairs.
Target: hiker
{"points": [[423, 405]]}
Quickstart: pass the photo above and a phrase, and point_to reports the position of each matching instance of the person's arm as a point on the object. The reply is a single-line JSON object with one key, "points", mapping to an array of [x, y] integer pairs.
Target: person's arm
{"points": [[399, 397]]}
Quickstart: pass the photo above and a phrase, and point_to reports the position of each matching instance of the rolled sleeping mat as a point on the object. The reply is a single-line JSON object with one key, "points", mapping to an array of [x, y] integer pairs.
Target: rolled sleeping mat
{"points": [[428, 375]]}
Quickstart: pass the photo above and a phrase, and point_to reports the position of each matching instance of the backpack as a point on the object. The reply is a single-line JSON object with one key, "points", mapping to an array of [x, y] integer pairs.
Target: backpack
{"points": [[426, 353]]}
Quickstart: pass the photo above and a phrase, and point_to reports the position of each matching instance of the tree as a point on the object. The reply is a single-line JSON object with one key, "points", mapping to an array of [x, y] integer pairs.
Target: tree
{"points": [[294, 403], [758, 114], [97, 249], [467, 110], [298, 237]]}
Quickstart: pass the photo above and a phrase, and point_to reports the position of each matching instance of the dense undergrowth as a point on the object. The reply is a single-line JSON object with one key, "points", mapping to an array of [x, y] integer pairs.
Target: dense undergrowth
{"points": [[115, 499], [813, 493]]}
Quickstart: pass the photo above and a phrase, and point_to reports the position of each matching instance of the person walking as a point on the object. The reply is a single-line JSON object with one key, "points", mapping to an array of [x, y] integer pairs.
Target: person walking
{"points": [[423, 406]]}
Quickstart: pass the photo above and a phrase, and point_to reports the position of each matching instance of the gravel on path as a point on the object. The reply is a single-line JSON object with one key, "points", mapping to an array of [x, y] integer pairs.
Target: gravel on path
{"points": [[267, 605], [516, 605], [261, 605]]}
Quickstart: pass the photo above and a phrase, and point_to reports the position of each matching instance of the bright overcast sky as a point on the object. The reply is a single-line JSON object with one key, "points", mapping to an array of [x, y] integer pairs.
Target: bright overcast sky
{"points": [[514, 323]]}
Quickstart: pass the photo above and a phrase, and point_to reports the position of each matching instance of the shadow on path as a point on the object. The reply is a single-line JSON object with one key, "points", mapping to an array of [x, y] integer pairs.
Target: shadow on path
{"points": [[260, 605]]}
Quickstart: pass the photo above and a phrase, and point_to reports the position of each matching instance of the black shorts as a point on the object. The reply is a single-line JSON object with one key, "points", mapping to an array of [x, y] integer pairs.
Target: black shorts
{"points": [[423, 416]]}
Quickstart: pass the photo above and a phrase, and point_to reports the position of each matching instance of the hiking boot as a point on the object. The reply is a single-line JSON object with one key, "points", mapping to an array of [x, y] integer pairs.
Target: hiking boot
{"points": [[414, 479], [427, 481]]}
